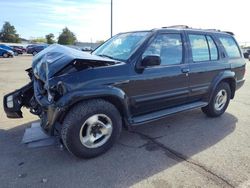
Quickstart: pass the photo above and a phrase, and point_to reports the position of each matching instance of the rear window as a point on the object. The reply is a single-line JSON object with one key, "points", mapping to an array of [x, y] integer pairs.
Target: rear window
{"points": [[230, 46]]}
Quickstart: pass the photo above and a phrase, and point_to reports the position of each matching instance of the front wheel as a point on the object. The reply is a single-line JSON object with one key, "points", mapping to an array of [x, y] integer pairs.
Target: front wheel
{"points": [[219, 101], [90, 128], [5, 55]]}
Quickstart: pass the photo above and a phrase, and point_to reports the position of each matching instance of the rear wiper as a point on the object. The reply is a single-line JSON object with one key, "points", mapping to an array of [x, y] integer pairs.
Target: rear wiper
{"points": [[104, 55]]}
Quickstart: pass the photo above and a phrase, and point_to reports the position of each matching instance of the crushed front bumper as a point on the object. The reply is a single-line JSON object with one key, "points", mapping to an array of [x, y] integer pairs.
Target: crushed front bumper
{"points": [[48, 113], [14, 101]]}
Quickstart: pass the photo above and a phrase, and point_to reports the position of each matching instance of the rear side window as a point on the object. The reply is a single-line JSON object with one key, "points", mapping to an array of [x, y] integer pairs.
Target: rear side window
{"points": [[230, 46], [212, 49], [199, 46], [203, 48]]}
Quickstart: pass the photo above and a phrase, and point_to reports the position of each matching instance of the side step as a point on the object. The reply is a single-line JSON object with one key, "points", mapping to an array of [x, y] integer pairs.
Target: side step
{"points": [[166, 112]]}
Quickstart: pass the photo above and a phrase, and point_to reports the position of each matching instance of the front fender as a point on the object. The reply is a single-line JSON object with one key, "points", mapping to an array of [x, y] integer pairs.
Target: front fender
{"points": [[74, 97]]}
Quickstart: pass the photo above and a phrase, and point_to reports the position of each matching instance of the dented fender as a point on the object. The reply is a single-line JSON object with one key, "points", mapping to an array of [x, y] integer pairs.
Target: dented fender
{"points": [[109, 92]]}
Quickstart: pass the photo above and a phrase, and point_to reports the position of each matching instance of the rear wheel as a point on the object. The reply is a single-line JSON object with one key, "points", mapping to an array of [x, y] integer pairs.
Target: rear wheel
{"points": [[219, 101], [90, 128]]}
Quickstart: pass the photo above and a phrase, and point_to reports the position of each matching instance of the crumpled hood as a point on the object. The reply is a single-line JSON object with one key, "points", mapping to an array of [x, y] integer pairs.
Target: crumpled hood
{"points": [[53, 58]]}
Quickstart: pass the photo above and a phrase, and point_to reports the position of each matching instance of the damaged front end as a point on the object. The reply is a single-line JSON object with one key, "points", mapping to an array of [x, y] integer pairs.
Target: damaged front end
{"points": [[51, 79]]}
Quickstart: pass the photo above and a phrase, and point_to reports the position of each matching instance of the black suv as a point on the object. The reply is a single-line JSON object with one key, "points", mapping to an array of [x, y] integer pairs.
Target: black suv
{"points": [[131, 79]]}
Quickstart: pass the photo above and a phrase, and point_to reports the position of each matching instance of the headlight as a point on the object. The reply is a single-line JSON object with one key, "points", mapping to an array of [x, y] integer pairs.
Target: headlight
{"points": [[10, 103]]}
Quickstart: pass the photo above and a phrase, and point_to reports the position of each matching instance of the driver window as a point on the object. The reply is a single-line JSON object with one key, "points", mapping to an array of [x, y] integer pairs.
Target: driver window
{"points": [[168, 47]]}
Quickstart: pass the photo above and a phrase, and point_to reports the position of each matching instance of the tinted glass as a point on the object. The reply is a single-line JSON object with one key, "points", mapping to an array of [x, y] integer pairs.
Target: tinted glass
{"points": [[200, 51], [213, 49], [168, 47], [230, 47]]}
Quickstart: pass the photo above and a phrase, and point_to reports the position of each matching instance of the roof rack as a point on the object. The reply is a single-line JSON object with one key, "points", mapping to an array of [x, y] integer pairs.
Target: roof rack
{"points": [[213, 30], [177, 26], [187, 27], [229, 32]]}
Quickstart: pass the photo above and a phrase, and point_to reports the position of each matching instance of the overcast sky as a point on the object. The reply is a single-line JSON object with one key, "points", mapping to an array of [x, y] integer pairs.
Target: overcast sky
{"points": [[90, 19]]}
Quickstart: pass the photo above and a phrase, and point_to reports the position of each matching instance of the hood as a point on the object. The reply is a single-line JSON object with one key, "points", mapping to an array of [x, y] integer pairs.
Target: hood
{"points": [[55, 57]]}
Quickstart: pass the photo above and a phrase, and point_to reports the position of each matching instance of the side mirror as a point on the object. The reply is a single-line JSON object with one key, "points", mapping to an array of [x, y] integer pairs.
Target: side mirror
{"points": [[246, 55], [151, 60]]}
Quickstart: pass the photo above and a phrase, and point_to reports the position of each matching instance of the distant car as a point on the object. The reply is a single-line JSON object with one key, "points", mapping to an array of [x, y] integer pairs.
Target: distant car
{"points": [[6, 47], [248, 51], [19, 48], [87, 48], [6, 53], [247, 54], [16, 50], [34, 49]]}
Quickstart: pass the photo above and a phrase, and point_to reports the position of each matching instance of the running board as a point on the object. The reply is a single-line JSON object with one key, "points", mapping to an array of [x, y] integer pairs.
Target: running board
{"points": [[166, 112]]}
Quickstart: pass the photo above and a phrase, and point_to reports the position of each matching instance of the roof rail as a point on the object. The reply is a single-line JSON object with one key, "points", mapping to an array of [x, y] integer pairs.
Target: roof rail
{"points": [[186, 27], [229, 32], [213, 30], [177, 26]]}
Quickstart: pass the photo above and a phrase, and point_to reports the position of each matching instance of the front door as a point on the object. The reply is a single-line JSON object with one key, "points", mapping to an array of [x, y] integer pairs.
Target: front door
{"points": [[164, 85]]}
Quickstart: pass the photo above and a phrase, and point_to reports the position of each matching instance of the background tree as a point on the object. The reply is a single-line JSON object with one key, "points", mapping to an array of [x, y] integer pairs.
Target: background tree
{"points": [[8, 33], [100, 41], [50, 38], [38, 40], [66, 37]]}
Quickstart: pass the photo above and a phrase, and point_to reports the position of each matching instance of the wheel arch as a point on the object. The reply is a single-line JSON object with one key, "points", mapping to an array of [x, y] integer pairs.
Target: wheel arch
{"points": [[232, 84], [228, 77], [117, 98]]}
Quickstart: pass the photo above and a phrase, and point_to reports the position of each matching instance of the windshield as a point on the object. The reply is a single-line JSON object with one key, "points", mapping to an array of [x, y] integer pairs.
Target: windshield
{"points": [[121, 46]]}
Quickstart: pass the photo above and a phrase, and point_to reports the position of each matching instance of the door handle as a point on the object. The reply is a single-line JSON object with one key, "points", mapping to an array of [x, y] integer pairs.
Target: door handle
{"points": [[185, 70]]}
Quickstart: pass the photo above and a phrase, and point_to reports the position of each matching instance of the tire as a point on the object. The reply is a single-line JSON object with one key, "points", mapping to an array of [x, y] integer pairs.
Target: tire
{"points": [[85, 122], [34, 53], [15, 53], [219, 102], [5, 55]]}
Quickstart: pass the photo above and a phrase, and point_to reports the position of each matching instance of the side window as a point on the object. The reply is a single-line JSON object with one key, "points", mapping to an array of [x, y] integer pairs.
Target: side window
{"points": [[199, 46], [212, 48], [168, 47], [230, 46]]}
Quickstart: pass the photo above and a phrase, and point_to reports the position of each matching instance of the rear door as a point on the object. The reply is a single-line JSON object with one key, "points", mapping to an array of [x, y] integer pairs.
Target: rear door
{"points": [[206, 61], [163, 86]]}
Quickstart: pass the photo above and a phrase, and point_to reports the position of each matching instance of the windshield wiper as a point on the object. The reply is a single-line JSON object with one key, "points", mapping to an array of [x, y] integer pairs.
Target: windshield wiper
{"points": [[104, 55]]}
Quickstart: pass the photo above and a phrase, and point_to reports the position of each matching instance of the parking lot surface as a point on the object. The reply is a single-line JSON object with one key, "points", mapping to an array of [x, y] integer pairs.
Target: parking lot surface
{"points": [[184, 150]]}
